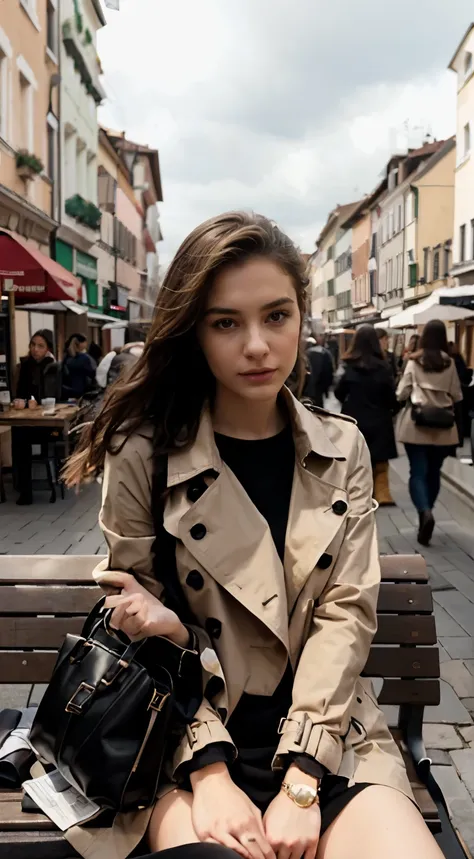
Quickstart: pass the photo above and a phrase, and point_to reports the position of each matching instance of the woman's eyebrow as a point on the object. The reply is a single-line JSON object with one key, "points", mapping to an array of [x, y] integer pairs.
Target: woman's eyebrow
{"points": [[229, 311]]}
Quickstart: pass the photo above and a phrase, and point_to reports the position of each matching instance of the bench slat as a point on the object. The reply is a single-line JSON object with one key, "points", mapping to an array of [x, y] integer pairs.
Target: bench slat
{"points": [[26, 667], [403, 568], [405, 599], [403, 662], [38, 632], [12, 817], [44, 569], [425, 692], [39, 599], [405, 629]]}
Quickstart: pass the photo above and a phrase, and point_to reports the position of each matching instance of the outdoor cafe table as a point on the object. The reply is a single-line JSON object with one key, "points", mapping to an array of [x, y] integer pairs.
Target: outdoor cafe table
{"points": [[61, 419]]}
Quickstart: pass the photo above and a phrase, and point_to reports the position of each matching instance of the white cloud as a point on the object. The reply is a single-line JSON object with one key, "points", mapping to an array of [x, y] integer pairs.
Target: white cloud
{"points": [[285, 108]]}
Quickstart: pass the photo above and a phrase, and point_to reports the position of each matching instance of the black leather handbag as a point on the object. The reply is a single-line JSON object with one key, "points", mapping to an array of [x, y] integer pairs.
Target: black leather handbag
{"points": [[114, 709], [432, 417]]}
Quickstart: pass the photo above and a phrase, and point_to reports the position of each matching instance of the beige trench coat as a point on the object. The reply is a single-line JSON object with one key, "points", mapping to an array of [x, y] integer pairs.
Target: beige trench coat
{"points": [[318, 608], [427, 389]]}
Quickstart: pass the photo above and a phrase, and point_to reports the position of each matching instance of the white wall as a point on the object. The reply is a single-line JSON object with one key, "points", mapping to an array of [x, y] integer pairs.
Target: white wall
{"points": [[464, 175]]}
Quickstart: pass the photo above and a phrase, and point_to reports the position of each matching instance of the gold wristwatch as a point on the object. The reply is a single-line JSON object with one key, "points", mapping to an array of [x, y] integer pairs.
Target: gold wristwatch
{"points": [[302, 795]]}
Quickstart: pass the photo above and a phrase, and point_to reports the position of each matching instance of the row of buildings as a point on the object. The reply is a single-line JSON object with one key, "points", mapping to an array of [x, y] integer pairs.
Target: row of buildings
{"points": [[414, 233], [77, 201]]}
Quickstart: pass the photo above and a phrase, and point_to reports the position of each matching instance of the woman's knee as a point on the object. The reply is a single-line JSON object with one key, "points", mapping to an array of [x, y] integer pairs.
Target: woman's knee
{"points": [[379, 821]]}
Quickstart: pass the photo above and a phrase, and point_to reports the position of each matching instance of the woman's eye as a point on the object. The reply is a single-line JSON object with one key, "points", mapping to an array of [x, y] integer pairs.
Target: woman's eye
{"points": [[278, 316], [224, 324]]}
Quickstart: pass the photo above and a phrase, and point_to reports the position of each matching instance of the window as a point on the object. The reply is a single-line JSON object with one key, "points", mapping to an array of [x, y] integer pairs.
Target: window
{"points": [[467, 139], [436, 266], [389, 275], [462, 243], [25, 124], [472, 239], [331, 252], [373, 249], [3, 95], [399, 218], [391, 224], [51, 25], [399, 275], [330, 287], [412, 274], [373, 283], [426, 263], [51, 138], [447, 261], [467, 63]]}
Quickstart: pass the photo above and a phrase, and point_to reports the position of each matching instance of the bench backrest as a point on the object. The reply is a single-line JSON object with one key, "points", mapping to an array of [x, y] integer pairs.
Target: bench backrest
{"points": [[44, 597]]}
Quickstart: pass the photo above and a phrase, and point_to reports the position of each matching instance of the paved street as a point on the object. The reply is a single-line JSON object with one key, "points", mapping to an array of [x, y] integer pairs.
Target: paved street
{"points": [[70, 527]]}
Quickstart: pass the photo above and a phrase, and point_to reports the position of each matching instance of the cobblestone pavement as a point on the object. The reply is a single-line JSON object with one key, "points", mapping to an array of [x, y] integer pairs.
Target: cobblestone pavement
{"points": [[70, 527]]}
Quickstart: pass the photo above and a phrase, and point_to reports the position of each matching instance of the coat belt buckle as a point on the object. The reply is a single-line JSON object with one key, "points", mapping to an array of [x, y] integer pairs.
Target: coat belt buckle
{"points": [[82, 695]]}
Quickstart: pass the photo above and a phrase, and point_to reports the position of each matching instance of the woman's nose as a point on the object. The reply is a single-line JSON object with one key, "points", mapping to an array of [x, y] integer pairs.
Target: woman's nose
{"points": [[256, 343]]}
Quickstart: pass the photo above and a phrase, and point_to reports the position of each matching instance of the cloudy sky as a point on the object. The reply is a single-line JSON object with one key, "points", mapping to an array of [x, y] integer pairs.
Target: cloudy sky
{"points": [[288, 107]]}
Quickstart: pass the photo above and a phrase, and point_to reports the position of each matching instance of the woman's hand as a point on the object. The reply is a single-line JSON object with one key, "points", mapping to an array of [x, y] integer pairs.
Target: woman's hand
{"points": [[138, 613], [19, 404], [223, 814], [293, 832]]}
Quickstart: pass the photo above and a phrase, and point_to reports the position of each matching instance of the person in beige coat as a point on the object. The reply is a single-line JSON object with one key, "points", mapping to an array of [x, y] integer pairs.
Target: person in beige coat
{"points": [[271, 508], [430, 380]]}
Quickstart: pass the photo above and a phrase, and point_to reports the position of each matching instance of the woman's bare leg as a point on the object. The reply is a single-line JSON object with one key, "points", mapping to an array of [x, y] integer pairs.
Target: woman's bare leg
{"points": [[379, 822], [171, 823]]}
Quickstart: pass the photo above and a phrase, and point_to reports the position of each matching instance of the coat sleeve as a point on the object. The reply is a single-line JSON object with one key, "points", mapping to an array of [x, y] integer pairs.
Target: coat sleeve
{"points": [[127, 523], [344, 623], [342, 389], [405, 385]]}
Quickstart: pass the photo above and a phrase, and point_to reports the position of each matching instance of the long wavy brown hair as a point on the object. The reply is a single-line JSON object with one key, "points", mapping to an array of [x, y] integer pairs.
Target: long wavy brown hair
{"points": [[171, 381]]}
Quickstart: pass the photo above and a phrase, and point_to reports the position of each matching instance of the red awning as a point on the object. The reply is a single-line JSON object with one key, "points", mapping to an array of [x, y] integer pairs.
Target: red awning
{"points": [[31, 275]]}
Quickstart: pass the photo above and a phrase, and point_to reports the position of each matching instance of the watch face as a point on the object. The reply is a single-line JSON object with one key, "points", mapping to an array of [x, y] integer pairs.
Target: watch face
{"points": [[303, 795]]}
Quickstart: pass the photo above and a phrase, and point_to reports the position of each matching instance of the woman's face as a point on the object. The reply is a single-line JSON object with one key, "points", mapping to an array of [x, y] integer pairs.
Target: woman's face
{"points": [[251, 328], [38, 348]]}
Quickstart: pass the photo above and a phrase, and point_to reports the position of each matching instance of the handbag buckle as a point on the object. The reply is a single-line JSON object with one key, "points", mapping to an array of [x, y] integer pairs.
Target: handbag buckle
{"points": [[158, 700], [82, 695]]}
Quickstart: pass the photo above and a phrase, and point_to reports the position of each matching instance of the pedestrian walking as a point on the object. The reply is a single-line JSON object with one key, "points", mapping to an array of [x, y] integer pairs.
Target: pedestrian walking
{"points": [[320, 374], [270, 505], [410, 349], [366, 390], [429, 390], [78, 368], [389, 356], [38, 375]]}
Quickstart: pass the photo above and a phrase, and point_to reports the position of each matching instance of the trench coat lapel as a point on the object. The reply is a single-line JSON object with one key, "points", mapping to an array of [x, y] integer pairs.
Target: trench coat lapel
{"points": [[237, 548]]}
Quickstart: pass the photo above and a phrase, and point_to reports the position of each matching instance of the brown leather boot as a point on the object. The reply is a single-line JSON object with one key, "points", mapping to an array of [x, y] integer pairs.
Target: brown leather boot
{"points": [[381, 485]]}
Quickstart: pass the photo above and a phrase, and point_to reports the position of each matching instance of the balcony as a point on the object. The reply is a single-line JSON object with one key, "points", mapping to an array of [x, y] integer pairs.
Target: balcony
{"points": [[83, 212], [86, 61]]}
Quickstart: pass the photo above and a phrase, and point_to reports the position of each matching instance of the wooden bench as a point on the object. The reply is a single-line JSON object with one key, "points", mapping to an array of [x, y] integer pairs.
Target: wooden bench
{"points": [[42, 598]]}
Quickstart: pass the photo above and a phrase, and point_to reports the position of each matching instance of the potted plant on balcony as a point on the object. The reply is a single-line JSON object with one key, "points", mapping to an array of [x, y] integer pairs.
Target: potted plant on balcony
{"points": [[27, 164]]}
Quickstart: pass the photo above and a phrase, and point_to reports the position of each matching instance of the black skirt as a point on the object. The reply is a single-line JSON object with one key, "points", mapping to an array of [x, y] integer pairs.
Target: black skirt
{"points": [[252, 772]]}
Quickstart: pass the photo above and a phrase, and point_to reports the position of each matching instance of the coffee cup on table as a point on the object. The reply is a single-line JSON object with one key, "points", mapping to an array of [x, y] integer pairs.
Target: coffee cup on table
{"points": [[5, 400], [49, 406]]}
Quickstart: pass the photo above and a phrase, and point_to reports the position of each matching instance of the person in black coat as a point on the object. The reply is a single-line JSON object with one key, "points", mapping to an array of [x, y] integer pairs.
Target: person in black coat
{"points": [[37, 380], [366, 390], [320, 374], [78, 368]]}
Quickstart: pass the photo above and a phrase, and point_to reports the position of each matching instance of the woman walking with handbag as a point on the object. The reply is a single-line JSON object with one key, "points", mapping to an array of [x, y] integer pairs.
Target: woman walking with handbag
{"points": [[429, 388], [366, 390], [270, 507]]}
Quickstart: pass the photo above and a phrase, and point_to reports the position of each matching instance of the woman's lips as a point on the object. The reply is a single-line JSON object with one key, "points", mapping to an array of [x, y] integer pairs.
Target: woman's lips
{"points": [[259, 376]]}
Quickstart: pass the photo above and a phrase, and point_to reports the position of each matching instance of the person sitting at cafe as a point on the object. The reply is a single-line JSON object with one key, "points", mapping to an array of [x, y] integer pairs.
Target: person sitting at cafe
{"points": [[37, 380]]}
